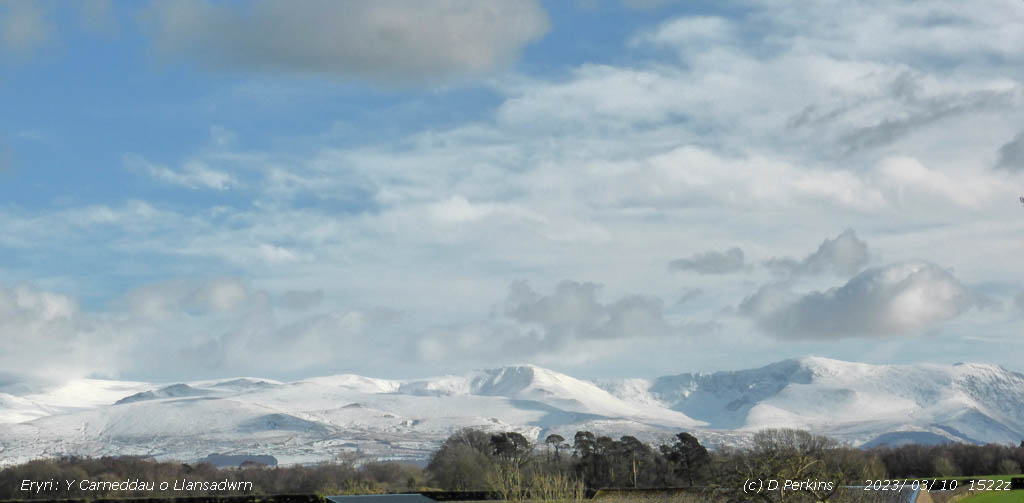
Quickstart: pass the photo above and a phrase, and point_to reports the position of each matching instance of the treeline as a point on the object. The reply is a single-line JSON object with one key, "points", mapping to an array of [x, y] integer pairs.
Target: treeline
{"points": [[476, 460], [948, 460], [323, 479], [508, 463], [512, 466]]}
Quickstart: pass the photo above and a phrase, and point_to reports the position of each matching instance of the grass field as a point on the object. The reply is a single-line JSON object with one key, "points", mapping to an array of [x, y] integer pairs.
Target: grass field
{"points": [[995, 497]]}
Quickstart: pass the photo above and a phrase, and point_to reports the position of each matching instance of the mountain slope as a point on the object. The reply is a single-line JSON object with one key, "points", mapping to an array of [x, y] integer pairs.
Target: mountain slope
{"points": [[325, 418], [854, 401]]}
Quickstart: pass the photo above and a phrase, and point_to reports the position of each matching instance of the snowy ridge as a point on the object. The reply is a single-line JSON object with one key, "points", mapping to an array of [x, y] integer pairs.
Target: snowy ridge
{"points": [[327, 417], [172, 391], [854, 401], [15, 409]]}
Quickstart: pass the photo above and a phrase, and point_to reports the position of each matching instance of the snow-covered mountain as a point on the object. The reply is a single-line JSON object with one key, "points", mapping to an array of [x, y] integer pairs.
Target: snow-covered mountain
{"points": [[855, 402], [329, 417]]}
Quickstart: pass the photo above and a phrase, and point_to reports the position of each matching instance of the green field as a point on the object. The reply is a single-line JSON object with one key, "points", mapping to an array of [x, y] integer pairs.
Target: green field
{"points": [[995, 497]]}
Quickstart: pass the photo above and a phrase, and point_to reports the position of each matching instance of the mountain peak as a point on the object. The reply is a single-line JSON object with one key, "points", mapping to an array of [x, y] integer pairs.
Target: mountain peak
{"points": [[406, 419], [513, 380]]}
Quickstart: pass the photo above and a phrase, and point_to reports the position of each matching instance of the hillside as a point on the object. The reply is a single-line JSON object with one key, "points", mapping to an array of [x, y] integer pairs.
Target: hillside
{"points": [[330, 417]]}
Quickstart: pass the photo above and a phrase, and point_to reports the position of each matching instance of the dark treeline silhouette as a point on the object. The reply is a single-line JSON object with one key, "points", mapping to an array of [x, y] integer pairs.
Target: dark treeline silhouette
{"points": [[509, 465], [946, 460], [473, 460]]}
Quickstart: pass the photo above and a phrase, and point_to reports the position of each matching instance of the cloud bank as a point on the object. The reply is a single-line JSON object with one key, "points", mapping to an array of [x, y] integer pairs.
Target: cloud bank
{"points": [[572, 311], [899, 299], [601, 165]]}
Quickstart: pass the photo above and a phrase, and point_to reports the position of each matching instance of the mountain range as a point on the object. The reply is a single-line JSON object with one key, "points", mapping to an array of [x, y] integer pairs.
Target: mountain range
{"points": [[337, 417]]}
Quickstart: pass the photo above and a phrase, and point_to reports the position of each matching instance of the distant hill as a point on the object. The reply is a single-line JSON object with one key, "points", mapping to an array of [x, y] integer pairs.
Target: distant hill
{"points": [[331, 417], [172, 391]]}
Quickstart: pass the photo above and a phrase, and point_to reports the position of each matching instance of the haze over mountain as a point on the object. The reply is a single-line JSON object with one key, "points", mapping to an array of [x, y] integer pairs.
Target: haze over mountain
{"points": [[326, 418]]}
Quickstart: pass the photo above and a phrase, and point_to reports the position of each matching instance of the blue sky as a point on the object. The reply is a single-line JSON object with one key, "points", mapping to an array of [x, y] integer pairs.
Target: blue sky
{"points": [[194, 189]]}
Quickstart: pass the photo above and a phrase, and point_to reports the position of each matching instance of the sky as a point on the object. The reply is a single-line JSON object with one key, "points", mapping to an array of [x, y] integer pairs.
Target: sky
{"points": [[608, 188]]}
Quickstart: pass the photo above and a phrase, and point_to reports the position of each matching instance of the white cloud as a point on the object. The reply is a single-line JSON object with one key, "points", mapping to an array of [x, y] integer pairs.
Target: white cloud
{"points": [[393, 41], [598, 97], [218, 296], [44, 336], [457, 209], [690, 34], [932, 34], [909, 182], [844, 255], [184, 327], [164, 300], [66, 229], [899, 299], [277, 254], [714, 135], [133, 212], [192, 175]]}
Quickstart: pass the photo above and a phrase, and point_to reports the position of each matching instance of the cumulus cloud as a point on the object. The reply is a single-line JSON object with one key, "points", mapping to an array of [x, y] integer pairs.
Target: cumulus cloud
{"points": [[899, 299], [184, 328], [45, 336], [711, 262], [844, 255], [24, 26], [389, 40]]}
